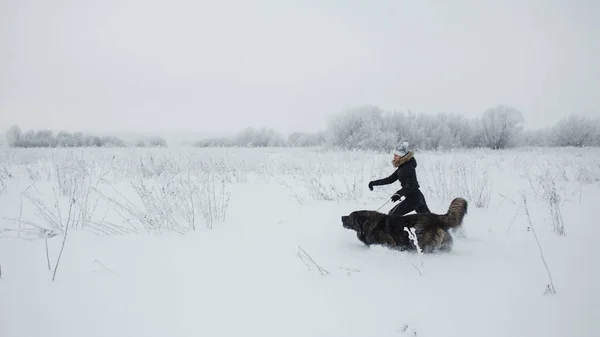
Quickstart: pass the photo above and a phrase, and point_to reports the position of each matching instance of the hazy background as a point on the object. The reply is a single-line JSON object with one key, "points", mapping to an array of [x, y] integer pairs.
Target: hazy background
{"points": [[219, 66]]}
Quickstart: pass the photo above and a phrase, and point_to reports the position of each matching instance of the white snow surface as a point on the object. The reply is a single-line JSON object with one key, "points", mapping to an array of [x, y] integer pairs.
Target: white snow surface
{"points": [[279, 263]]}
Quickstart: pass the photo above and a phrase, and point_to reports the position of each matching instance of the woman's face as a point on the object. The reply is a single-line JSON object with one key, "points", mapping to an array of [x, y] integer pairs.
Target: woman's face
{"points": [[396, 160]]}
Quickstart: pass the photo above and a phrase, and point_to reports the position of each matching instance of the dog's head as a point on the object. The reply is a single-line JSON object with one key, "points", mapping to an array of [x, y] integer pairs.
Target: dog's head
{"points": [[355, 220]]}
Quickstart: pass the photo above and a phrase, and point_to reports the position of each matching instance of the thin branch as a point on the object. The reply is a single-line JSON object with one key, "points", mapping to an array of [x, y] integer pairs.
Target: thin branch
{"points": [[103, 267], [48, 255], [62, 247], [550, 288], [302, 254]]}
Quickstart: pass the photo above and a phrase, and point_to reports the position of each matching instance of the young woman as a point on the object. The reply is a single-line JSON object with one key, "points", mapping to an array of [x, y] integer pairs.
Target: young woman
{"points": [[405, 164]]}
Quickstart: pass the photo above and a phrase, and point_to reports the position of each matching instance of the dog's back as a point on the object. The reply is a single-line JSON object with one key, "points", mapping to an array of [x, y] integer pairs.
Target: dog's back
{"points": [[432, 229]]}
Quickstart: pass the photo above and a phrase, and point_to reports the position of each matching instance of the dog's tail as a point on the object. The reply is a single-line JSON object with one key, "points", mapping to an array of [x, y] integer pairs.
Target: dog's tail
{"points": [[456, 213]]}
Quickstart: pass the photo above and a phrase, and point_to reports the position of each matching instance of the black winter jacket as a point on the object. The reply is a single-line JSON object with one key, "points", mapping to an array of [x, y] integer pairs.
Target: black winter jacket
{"points": [[406, 174]]}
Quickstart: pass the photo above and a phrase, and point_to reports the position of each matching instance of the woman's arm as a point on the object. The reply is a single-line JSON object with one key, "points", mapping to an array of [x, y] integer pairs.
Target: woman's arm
{"points": [[385, 181]]}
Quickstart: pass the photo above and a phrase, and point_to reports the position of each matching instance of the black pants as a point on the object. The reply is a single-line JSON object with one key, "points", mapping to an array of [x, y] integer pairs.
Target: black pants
{"points": [[414, 201]]}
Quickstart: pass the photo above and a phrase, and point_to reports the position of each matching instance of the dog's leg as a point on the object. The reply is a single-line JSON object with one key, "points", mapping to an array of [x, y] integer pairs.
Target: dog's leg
{"points": [[446, 243], [388, 240], [434, 241], [363, 238]]}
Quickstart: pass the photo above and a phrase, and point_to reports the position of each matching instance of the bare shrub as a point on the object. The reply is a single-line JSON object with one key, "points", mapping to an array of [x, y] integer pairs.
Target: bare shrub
{"points": [[475, 184], [327, 186], [4, 176], [214, 200], [586, 173], [70, 170], [172, 204], [324, 181], [554, 200], [549, 287], [68, 211], [544, 185], [448, 179]]}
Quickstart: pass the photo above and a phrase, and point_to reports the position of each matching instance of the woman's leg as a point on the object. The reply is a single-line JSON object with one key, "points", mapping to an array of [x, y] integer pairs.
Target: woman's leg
{"points": [[422, 208], [405, 206]]}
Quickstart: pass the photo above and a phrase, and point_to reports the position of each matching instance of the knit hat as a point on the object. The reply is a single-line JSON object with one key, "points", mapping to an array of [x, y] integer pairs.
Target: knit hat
{"points": [[401, 150]]}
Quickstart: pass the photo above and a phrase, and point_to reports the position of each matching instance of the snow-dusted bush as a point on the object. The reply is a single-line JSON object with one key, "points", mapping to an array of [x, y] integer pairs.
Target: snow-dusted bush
{"points": [[502, 126], [544, 184], [369, 128], [31, 138], [404, 126], [303, 139], [45, 138], [248, 137], [445, 179], [263, 137], [4, 176], [426, 131], [539, 137], [575, 131], [162, 196], [215, 142], [361, 128], [155, 141], [14, 135], [327, 175]]}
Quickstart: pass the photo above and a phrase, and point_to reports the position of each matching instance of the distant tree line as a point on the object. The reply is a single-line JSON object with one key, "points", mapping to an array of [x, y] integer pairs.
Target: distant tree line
{"points": [[264, 137], [371, 128], [46, 138]]}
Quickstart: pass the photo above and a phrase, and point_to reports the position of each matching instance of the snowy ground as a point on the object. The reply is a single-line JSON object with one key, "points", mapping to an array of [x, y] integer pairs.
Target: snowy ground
{"points": [[249, 242]]}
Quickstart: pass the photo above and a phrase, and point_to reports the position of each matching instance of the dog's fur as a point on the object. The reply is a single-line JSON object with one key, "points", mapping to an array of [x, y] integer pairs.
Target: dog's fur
{"points": [[375, 228]]}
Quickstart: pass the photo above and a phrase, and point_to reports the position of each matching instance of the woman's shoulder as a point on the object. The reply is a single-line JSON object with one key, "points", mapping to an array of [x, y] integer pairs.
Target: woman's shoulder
{"points": [[411, 164]]}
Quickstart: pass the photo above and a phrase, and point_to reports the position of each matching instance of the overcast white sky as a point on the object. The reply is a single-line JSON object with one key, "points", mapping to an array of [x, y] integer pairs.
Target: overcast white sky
{"points": [[212, 66]]}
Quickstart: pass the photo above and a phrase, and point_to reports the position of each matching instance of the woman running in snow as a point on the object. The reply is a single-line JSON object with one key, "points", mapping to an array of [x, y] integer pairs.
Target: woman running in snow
{"points": [[405, 164]]}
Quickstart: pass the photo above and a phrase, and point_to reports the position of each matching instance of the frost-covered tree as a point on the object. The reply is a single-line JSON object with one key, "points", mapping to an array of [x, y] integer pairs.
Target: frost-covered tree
{"points": [[66, 139], [362, 128], [248, 137], [575, 131], [216, 142], [463, 132], [596, 141], [111, 141], [263, 137], [541, 137], [439, 131], [404, 127], [157, 141], [45, 138], [304, 139], [14, 136], [502, 126], [154, 141], [31, 138], [436, 132]]}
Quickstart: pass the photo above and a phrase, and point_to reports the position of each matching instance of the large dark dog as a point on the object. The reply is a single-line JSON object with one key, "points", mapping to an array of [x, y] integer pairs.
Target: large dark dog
{"points": [[374, 228]]}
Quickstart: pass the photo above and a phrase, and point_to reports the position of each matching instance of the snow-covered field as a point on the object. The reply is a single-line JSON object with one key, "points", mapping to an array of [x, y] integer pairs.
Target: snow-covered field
{"points": [[249, 242]]}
